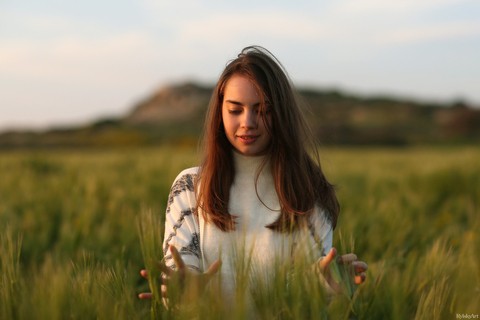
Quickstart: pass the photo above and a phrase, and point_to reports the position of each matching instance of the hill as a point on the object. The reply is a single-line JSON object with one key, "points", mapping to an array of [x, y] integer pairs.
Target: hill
{"points": [[174, 114]]}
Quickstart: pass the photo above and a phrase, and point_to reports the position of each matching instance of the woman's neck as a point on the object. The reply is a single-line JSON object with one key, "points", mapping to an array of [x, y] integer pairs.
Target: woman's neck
{"points": [[247, 164]]}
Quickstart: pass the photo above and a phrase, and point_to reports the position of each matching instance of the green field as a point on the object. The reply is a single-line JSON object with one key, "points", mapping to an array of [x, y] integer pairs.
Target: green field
{"points": [[73, 223]]}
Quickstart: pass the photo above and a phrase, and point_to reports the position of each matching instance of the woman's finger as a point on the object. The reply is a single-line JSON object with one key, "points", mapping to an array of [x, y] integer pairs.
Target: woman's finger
{"points": [[163, 291], [145, 295], [177, 259], [360, 266], [359, 279], [165, 270], [164, 279], [214, 267], [325, 261], [347, 258], [144, 273]]}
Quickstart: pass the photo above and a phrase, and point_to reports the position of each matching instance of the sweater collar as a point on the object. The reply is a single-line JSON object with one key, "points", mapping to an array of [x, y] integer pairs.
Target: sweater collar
{"points": [[247, 164]]}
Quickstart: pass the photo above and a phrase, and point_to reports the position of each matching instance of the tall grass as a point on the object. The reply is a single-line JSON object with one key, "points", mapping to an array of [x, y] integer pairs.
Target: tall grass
{"points": [[10, 281], [78, 226], [150, 235]]}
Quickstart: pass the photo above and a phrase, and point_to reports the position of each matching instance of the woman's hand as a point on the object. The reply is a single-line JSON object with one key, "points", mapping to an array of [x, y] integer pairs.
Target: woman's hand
{"points": [[185, 278], [356, 269]]}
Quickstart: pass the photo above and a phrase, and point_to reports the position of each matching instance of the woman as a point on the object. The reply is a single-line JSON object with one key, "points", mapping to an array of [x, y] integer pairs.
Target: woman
{"points": [[260, 193]]}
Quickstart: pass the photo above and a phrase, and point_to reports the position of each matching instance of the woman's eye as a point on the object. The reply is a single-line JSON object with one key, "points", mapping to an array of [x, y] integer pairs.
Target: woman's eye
{"points": [[260, 111], [234, 111]]}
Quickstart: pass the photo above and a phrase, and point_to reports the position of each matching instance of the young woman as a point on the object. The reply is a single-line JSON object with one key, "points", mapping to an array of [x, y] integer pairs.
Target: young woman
{"points": [[260, 189]]}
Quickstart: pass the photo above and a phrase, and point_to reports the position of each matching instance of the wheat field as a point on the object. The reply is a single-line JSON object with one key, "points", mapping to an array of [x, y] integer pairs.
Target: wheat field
{"points": [[77, 226]]}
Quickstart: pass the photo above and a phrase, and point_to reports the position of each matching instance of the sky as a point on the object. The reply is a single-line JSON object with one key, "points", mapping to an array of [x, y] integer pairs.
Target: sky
{"points": [[66, 62]]}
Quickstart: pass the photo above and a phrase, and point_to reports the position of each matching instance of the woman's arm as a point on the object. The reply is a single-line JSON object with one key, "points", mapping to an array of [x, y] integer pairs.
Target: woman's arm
{"points": [[181, 224], [182, 265], [322, 233], [185, 279]]}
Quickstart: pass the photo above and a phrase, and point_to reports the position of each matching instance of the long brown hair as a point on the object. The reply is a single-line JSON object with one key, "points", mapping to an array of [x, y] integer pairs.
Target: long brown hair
{"points": [[295, 164]]}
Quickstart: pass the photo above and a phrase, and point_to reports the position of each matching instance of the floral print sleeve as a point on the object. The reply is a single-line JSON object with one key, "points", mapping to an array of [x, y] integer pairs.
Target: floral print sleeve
{"points": [[181, 223]]}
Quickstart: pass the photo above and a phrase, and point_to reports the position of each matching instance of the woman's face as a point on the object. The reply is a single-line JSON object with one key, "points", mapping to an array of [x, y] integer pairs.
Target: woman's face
{"points": [[242, 118]]}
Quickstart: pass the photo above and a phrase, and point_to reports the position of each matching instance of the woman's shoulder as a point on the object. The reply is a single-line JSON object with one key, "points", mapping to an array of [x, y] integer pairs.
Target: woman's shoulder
{"points": [[183, 184], [186, 179], [319, 218], [193, 171]]}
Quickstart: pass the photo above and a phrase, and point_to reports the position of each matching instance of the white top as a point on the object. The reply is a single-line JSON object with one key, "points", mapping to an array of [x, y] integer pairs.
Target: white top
{"points": [[200, 243]]}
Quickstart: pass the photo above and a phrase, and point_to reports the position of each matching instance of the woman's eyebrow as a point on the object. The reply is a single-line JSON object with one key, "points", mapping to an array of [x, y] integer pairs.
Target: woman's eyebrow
{"points": [[234, 102], [237, 103]]}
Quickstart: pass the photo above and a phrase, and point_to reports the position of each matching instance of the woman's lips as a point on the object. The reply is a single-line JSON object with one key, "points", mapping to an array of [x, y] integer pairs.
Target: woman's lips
{"points": [[248, 139]]}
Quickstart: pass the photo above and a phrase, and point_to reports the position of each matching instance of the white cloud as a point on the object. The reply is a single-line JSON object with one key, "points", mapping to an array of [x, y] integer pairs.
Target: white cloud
{"points": [[51, 61], [377, 23], [439, 31], [373, 7], [73, 56], [73, 78], [232, 26]]}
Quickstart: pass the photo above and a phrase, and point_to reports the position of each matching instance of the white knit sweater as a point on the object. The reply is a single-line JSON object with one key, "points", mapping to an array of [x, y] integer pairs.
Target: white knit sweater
{"points": [[201, 243]]}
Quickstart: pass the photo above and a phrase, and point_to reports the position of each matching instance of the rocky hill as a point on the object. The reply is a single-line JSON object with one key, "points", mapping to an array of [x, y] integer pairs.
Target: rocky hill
{"points": [[171, 103], [174, 114]]}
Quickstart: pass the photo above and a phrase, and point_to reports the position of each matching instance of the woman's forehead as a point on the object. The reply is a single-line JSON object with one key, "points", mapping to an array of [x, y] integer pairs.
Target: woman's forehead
{"points": [[241, 89]]}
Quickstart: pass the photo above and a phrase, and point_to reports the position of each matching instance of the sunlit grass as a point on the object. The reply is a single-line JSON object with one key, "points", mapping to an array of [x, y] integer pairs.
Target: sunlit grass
{"points": [[77, 226]]}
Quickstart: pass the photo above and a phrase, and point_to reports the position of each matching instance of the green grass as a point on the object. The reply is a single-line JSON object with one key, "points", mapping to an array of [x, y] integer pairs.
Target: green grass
{"points": [[77, 226]]}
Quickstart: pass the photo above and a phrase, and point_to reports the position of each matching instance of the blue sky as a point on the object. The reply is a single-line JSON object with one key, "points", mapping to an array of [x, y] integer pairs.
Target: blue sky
{"points": [[68, 62]]}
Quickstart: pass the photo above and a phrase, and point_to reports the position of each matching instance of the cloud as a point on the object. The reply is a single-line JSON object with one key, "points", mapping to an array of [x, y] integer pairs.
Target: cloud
{"points": [[73, 77], [436, 32], [388, 22], [72, 57], [50, 60], [279, 25], [375, 7]]}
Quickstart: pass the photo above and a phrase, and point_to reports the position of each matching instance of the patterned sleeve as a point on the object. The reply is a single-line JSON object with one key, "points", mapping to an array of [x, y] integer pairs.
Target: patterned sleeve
{"points": [[321, 232], [181, 224]]}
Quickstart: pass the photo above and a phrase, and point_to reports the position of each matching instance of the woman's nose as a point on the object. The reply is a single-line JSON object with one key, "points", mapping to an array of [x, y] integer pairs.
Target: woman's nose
{"points": [[250, 119]]}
